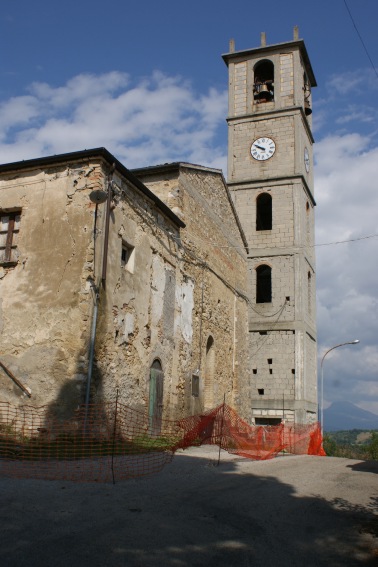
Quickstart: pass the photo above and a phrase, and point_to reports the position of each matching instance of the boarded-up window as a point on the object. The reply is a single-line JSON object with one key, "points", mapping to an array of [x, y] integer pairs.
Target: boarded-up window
{"points": [[9, 229]]}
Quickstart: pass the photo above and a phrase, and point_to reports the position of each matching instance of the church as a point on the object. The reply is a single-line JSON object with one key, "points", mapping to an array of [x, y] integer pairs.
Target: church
{"points": [[169, 286]]}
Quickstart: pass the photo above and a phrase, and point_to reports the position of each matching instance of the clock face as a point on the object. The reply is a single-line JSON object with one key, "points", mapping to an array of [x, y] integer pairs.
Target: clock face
{"points": [[263, 149], [306, 160]]}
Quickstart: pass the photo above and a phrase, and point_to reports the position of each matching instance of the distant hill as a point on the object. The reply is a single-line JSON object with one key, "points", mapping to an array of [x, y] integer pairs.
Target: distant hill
{"points": [[342, 416]]}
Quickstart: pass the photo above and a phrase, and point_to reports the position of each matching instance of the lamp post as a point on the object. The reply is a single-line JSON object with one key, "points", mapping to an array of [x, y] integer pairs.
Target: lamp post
{"points": [[322, 376]]}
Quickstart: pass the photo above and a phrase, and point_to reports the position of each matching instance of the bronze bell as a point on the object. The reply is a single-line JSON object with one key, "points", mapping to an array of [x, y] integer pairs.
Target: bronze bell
{"points": [[263, 89], [263, 92], [307, 109]]}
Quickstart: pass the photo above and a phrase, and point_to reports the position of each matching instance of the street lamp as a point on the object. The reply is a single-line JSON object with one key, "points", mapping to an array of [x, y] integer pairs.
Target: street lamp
{"points": [[322, 377]]}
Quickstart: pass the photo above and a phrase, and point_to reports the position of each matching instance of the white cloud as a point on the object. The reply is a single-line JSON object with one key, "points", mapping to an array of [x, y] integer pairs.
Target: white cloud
{"points": [[159, 119], [348, 102], [347, 195]]}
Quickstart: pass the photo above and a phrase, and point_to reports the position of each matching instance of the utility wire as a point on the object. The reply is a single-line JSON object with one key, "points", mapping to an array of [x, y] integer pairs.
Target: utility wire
{"points": [[362, 41], [278, 247], [348, 240]]}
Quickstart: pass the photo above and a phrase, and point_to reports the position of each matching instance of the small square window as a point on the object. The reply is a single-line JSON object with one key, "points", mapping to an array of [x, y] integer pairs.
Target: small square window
{"points": [[127, 257], [9, 229], [270, 360], [195, 385], [260, 391]]}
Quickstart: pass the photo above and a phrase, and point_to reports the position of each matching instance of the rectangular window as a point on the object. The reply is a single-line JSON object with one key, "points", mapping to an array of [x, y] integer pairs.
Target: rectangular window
{"points": [[195, 385], [127, 256], [9, 229], [268, 420]]}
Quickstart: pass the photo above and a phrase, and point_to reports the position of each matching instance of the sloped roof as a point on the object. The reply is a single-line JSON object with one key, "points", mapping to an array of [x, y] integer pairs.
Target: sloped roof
{"points": [[94, 153]]}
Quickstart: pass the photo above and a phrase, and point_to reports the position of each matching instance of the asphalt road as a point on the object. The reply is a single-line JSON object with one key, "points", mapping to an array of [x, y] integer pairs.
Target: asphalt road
{"points": [[291, 511]]}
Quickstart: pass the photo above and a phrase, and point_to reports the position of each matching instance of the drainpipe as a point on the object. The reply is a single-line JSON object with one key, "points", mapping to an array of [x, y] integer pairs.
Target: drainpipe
{"points": [[107, 222], [98, 199], [91, 354]]}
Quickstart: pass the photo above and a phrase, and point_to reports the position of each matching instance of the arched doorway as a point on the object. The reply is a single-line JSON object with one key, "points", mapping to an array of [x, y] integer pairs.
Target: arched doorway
{"points": [[155, 408]]}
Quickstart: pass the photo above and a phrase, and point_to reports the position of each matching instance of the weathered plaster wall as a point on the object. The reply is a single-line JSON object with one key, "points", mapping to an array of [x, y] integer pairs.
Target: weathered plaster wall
{"points": [[45, 312], [141, 315], [214, 261], [167, 292]]}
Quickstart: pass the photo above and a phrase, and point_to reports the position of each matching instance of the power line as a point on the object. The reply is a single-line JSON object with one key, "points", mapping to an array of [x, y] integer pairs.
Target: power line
{"points": [[362, 41], [348, 240], [235, 247]]}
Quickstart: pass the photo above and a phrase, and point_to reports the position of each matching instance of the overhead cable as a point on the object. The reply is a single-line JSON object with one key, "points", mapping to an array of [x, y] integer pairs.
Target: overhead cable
{"points": [[362, 41]]}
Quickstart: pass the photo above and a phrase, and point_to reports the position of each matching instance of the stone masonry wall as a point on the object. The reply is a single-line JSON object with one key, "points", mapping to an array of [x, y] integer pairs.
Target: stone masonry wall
{"points": [[282, 233], [243, 166], [273, 363], [142, 316], [214, 259], [240, 96]]}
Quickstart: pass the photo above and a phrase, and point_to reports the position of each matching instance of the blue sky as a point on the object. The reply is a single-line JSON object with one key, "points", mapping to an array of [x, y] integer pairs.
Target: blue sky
{"points": [[146, 80]]}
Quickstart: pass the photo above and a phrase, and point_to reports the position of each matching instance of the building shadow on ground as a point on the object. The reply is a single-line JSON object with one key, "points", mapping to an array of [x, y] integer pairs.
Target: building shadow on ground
{"points": [[365, 466], [193, 513]]}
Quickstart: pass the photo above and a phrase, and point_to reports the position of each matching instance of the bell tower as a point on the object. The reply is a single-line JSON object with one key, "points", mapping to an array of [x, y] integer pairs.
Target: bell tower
{"points": [[270, 175]]}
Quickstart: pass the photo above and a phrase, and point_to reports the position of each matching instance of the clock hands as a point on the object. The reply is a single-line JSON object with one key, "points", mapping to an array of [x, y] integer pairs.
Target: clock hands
{"points": [[262, 152]]}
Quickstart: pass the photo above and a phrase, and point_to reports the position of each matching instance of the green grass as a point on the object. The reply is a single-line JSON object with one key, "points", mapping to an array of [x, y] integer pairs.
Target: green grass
{"points": [[79, 446]]}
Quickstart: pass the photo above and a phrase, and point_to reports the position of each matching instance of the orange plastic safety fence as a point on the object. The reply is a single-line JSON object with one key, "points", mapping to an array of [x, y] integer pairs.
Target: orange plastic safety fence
{"points": [[111, 441]]}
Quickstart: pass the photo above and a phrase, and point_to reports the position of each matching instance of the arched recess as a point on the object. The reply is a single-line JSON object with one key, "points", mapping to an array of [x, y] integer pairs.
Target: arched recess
{"points": [[264, 212], [155, 408], [209, 374], [263, 84], [263, 284]]}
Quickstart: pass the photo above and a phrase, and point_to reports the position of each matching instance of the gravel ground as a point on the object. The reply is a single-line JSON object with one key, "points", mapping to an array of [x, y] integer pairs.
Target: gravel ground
{"points": [[292, 510]]}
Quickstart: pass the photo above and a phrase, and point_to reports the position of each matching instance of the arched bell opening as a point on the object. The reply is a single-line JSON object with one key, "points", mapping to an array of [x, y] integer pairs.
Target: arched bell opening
{"points": [[263, 86]]}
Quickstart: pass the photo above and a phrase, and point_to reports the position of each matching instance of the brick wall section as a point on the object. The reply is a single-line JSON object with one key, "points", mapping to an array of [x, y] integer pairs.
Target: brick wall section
{"points": [[282, 233], [244, 167], [286, 71], [276, 379], [311, 390], [240, 93]]}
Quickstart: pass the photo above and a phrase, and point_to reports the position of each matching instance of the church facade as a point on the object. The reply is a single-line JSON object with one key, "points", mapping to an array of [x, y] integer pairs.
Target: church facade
{"points": [[106, 290], [168, 286]]}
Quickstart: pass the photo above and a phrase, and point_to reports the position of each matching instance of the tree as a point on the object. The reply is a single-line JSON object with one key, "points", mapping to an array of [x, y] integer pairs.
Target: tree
{"points": [[372, 448]]}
